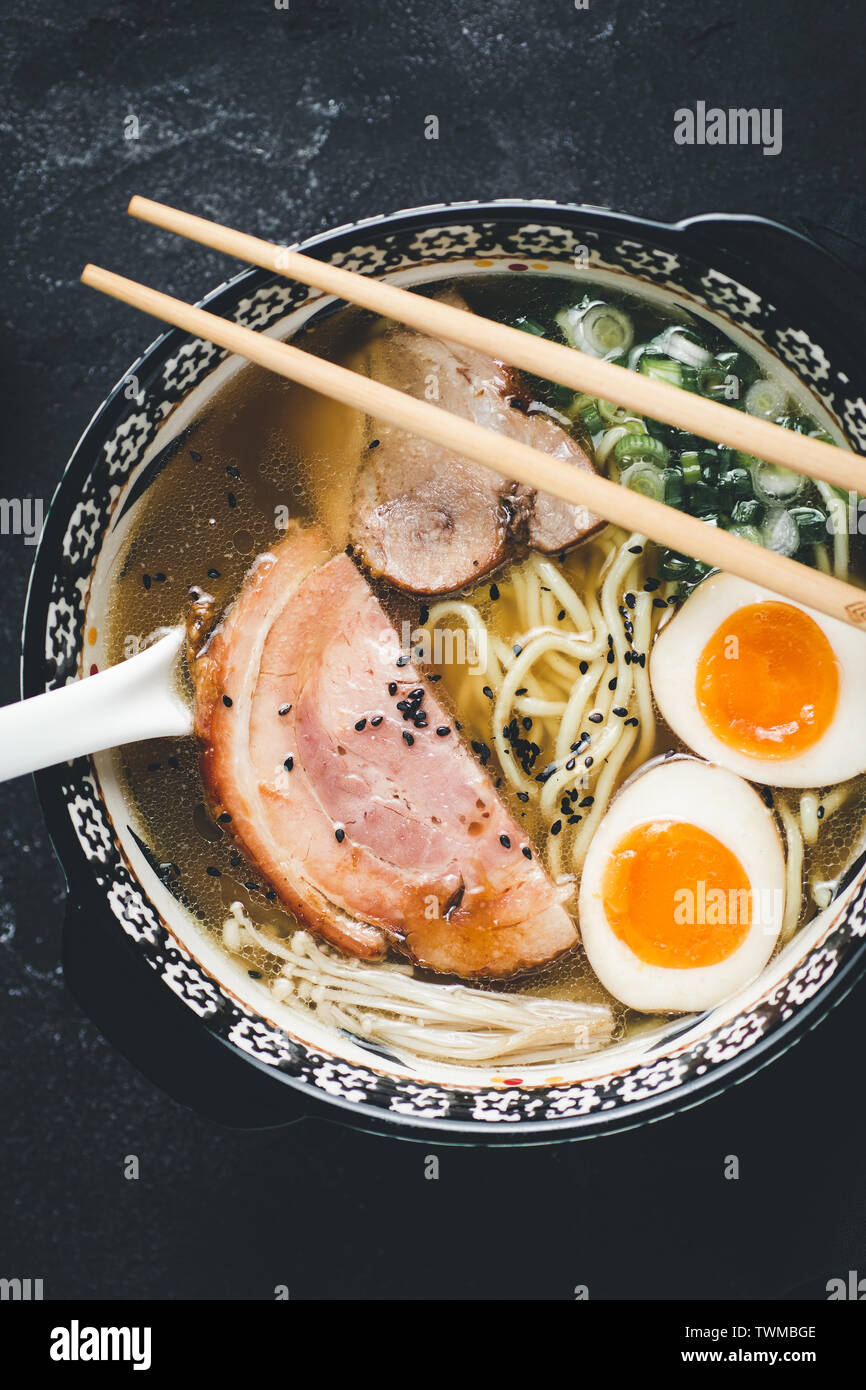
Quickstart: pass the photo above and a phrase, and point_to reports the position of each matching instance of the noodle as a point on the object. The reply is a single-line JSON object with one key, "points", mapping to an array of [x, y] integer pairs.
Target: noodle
{"points": [[580, 654]]}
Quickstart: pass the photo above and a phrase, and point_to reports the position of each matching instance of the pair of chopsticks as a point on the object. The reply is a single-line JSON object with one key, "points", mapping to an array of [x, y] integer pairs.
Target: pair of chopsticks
{"points": [[658, 400]]}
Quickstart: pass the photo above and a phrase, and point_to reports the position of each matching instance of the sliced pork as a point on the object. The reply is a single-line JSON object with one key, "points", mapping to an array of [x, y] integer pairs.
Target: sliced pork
{"points": [[347, 783], [428, 520]]}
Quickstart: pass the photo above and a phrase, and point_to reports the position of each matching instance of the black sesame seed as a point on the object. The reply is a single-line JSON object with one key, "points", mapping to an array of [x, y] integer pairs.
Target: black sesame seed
{"points": [[588, 762], [232, 471], [635, 550], [573, 820], [361, 724], [556, 827], [505, 842], [214, 871], [526, 722], [611, 685], [254, 974], [485, 690], [251, 887], [659, 603], [443, 730], [596, 717], [424, 614], [224, 818], [289, 763], [376, 721], [339, 834], [630, 722], [526, 852], [630, 600], [560, 615], [408, 738], [435, 677], [494, 592], [517, 649], [611, 658], [521, 691], [283, 710], [271, 894], [392, 688], [651, 585], [587, 801], [570, 765], [374, 444], [145, 579], [620, 711], [583, 667], [402, 661], [159, 578], [820, 813], [213, 574], [523, 796], [196, 457], [227, 701], [232, 500]]}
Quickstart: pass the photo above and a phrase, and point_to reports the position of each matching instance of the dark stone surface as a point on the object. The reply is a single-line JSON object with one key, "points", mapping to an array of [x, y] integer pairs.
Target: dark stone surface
{"points": [[286, 122]]}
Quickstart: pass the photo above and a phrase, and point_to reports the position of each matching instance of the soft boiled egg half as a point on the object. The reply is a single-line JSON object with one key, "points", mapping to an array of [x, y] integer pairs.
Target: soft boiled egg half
{"points": [[682, 893], [762, 685]]}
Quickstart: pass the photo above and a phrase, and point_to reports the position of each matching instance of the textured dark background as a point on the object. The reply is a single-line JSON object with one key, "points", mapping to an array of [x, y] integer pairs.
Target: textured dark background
{"points": [[287, 122]]}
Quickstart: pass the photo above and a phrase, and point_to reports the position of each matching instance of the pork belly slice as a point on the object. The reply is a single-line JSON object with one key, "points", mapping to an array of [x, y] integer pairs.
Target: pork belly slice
{"points": [[428, 520], [371, 825]]}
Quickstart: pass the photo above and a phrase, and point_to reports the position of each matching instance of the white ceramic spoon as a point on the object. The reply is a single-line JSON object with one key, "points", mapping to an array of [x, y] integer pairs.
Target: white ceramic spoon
{"points": [[135, 700]]}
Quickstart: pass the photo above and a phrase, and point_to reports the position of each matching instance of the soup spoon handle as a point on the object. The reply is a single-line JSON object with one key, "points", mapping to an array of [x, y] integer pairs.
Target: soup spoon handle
{"points": [[134, 700]]}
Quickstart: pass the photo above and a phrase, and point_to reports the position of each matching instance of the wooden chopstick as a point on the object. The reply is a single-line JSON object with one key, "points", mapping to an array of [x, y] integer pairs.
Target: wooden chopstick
{"points": [[517, 461], [656, 399]]}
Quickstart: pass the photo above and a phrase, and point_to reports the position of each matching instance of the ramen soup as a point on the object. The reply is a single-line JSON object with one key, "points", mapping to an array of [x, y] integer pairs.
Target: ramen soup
{"points": [[476, 776]]}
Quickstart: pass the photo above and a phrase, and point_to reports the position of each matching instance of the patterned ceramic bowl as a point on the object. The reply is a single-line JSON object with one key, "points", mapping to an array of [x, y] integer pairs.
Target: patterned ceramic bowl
{"points": [[194, 1020]]}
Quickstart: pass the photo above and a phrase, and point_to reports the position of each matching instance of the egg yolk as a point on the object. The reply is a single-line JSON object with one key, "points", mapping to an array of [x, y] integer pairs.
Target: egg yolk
{"points": [[676, 896], [767, 681]]}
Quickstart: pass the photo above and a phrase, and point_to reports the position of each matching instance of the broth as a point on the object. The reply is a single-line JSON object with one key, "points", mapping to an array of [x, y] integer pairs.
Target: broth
{"points": [[265, 453]]}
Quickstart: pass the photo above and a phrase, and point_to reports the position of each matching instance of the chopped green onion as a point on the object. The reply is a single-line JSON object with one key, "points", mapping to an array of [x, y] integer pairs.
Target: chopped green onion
{"points": [[644, 478], [737, 364], [767, 400], [738, 481], [779, 532], [673, 486], [747, 533], [811, 524], [690, 463], [683, 345], [717, 384], [591, 418], [702, 498], [775, 484], [634, 448], [667, 369], [748, 511], [613, 414], [599, 329]]}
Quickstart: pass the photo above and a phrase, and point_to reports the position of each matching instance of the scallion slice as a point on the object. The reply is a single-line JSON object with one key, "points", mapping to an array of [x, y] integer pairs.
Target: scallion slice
{"points": [[767, 400], [640, 448]]}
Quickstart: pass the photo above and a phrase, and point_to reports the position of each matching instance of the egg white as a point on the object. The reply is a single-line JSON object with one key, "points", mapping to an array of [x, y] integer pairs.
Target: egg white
{"points": [[722, 804], [839, 754]]}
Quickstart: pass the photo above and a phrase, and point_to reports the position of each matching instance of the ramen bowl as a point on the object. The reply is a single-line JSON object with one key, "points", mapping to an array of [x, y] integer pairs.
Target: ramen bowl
{"points": [[196, 1019]]}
